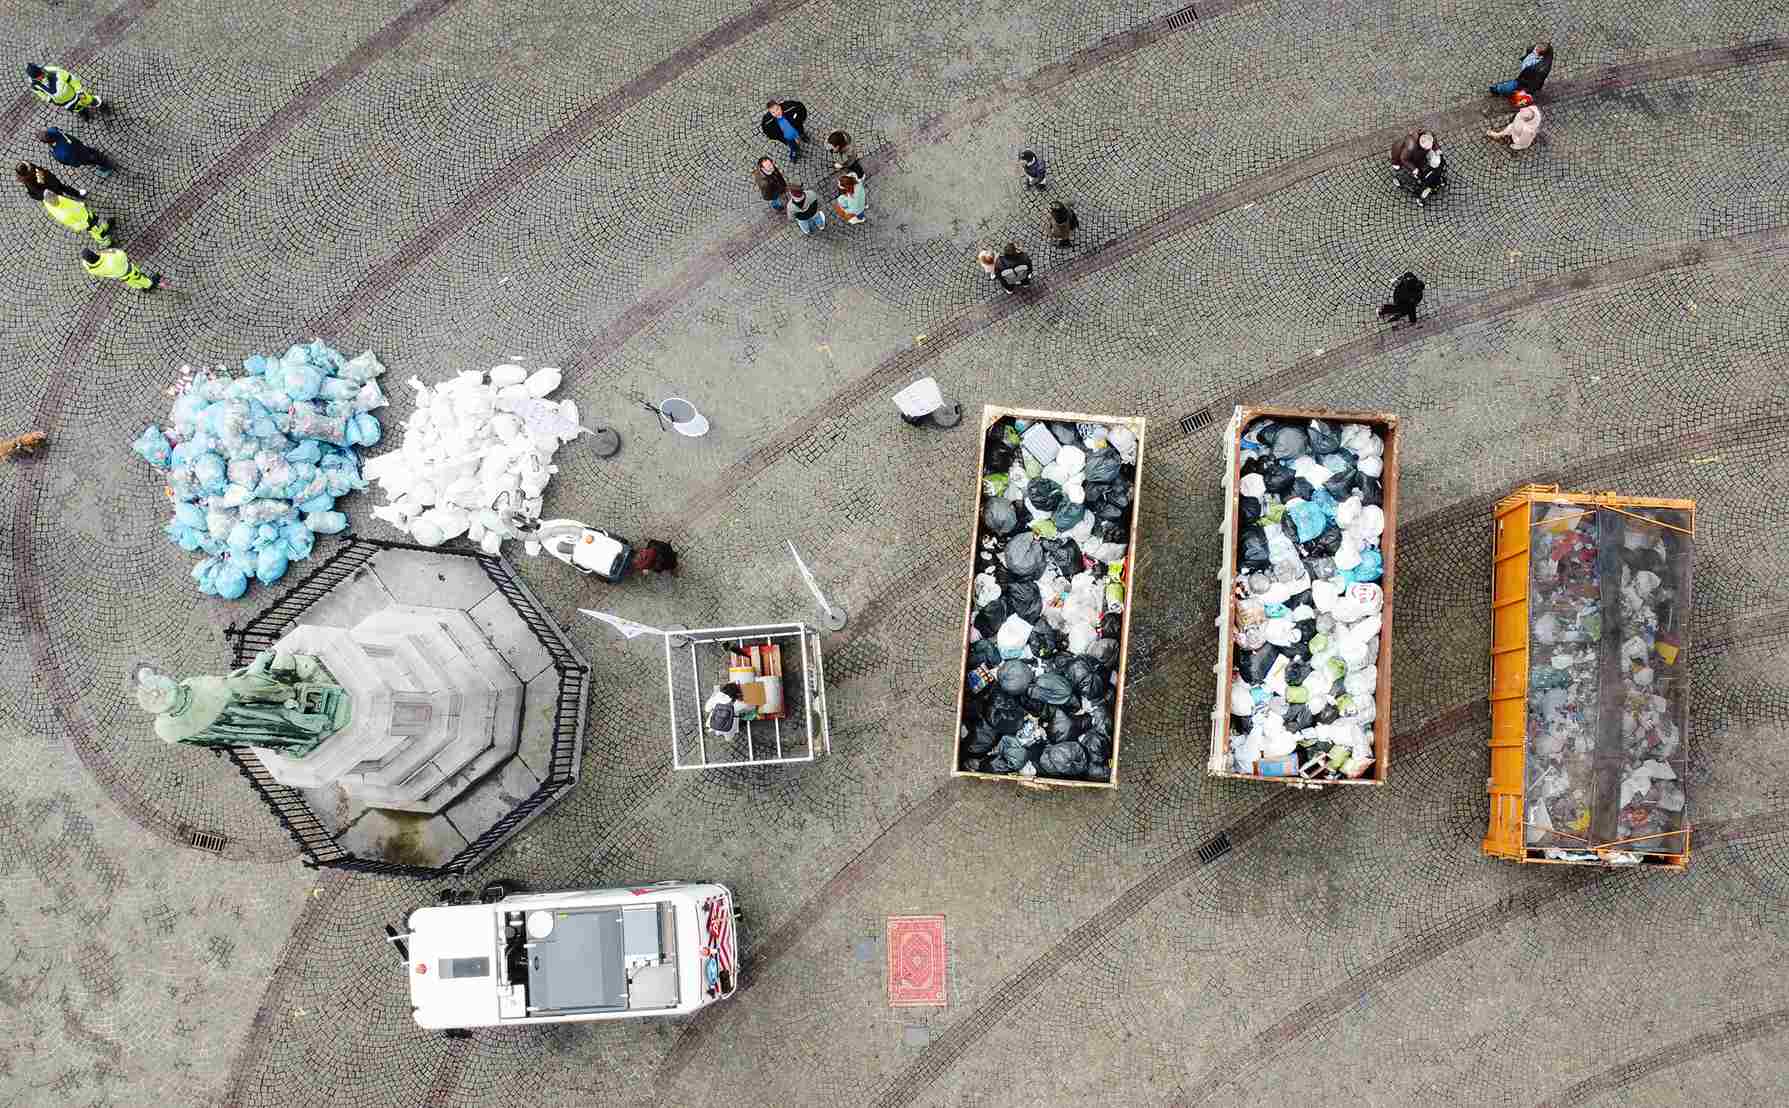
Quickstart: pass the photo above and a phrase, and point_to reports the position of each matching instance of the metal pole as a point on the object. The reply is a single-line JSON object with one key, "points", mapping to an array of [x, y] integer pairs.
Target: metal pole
{"points": [[835, 617], [701, 721], [671, 691]]}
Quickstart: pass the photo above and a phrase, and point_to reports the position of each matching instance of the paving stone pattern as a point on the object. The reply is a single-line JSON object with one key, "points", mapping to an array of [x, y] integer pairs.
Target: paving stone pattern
{"points": [[451, 182]]}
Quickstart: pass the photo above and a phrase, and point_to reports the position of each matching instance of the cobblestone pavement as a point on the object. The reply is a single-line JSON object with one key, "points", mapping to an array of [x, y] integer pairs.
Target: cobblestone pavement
{"points": [[451, 181]]}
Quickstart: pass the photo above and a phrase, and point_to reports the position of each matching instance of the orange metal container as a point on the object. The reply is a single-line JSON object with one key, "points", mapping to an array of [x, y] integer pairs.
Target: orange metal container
{"points": [[1516, 517]]}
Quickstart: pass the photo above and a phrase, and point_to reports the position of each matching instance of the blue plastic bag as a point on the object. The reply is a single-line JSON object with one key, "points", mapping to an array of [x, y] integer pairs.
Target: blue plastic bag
{"points": [[209, 473], [301, 380], [297, 540], [326, 523], [190, 515], [310, 450], [1308, 517], [270, 564], [186, 538], [230, 581], [153, 447], [205, 573], [1371, 567], [322, 502], [242, 536], [363, 430]]}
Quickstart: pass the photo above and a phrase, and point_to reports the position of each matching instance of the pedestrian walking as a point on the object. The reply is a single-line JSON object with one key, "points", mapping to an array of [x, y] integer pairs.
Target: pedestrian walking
{"points": [[1406, 294], [1522, 129], [852, 200], [1406, 155], [74, 153], [1031, 164], [116, 265], [1013, 270], [987, 261], [785, 121], [1061, 223], [657, 556], [1536, 64], [54, 85], [771, 185], [804, 210], [38, 181], [838, 145]]}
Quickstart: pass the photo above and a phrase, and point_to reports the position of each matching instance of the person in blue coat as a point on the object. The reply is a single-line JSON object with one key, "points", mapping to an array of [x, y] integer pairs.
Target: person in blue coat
{"points": [[71, 151]]}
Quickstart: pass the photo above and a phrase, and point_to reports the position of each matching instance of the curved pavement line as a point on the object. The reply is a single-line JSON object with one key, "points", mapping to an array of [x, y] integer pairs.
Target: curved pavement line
{"points": [[527, 163], [78, 726], [1728, 1035], [718, 257], [902, 366], [287, 971], [110, 28]]}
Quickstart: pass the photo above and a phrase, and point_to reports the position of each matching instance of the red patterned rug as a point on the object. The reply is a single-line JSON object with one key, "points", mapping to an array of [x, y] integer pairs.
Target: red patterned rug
{"points": [[916, 961]]}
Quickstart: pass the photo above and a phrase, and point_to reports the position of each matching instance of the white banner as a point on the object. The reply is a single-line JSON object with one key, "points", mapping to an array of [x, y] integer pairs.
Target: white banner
{"points": [[813, 585], [627, 627]]}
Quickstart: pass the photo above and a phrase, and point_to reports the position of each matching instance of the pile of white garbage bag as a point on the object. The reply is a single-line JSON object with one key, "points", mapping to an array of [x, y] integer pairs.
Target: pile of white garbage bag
{"points": [[476, 454]]}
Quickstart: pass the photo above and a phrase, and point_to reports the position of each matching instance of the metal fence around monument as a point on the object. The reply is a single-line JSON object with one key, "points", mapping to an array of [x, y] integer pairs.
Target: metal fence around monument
{"points": [[315, 842]]}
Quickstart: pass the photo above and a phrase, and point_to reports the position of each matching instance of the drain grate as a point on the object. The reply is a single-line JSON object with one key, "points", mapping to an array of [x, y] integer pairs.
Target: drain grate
{"points": [[209, 841], [1185, 17], [1198, 421], [1214, 849]]}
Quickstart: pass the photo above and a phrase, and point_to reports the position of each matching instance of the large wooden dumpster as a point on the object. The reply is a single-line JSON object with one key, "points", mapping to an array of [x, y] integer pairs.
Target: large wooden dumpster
{"points": [[998, 732], [1590, 607], [1301, 768]]}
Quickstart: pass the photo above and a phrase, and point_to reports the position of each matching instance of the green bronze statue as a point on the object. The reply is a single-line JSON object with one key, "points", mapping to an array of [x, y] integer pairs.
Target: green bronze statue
{"points": [[287, 703]]}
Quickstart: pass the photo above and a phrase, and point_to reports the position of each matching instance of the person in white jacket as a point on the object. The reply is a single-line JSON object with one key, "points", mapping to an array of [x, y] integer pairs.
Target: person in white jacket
{"points": [[1522, 129]]}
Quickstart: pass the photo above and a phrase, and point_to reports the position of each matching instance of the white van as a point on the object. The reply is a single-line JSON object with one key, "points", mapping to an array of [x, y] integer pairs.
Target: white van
{"points": [[659, 950]]}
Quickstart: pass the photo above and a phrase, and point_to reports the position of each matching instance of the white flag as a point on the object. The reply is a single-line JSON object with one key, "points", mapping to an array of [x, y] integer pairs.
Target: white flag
{"points": [[806, 575], [627, 627]]}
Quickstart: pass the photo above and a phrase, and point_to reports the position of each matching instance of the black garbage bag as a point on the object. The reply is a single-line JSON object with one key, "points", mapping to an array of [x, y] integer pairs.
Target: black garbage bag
{"points": [[1014, 677], [1024, 557], [990, 616], [999, 515], [1290, 443], [1065, 759], [1066, 434], [1043, 494], [1077, 726], [984, 652], [1060, 725], [982, 739], [1297, 669], [1067, 515], [1097, 737], [1369, 489], [1113, 530], [1250, 507], [1302, 598], [1299, 718], [1301, 489], [1010, 757], [998, 457], [1254, 549], [1324, 439], [974, 765], [1098, 771], [1104, 651], [1053, 688], [1340, 486], [1063, 554], [1104, 467], [1255, 664], [1263, 431], [1127, 472], [1004, 713], [1061, 662], [1024, 601], [1110, 509], [1254, 464], [1324, 545], [1240, 725], [1087, 675], [1329, 714], [1045, 640], [1278, 478], [1111, 625]]}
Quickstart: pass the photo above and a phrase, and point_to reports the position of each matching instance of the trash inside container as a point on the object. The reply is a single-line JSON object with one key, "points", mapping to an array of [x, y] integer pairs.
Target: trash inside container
{"points": [[1305, 597], [1052, 584], [1590, 610]]}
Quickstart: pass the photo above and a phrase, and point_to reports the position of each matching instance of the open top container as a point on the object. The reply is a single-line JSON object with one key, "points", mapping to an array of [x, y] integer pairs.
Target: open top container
{"points": [[1385, 425], [978, 531], [1590, 610]]}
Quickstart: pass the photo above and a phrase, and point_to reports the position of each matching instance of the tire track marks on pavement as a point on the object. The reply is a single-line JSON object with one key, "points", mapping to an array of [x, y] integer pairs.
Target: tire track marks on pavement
{"points": [[528, 162], [947, 334], [80, 729], [717, 257], [110, 28], [1729, 1035]]}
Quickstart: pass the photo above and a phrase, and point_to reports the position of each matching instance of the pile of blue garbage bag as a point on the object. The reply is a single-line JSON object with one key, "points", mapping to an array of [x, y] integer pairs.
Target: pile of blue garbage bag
{"points": [[254, 464]]}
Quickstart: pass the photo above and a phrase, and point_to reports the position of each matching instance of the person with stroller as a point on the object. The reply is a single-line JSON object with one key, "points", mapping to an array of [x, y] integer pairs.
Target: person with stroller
{"points": [[1418, 166]]}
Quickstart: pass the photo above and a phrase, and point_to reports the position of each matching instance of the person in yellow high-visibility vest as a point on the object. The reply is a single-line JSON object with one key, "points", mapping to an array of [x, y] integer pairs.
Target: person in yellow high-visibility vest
{"points": [[76, 216], [54, 85], [116, 264]]}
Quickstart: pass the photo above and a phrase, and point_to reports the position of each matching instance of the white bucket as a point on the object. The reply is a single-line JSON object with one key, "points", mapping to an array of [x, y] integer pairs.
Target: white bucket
{"points": [[685, 419]]}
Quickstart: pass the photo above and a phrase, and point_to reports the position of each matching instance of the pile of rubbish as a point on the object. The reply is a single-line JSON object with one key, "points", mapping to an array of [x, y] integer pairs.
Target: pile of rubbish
{"points": [[1601, 582], [477, 447], [1308, 603], [254, 464], [1050, 598]]}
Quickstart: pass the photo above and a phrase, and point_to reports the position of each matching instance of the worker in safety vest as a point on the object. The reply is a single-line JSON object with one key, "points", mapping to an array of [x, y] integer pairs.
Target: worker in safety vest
{"points": [[54, 85], [116, 264], [76, 216]]}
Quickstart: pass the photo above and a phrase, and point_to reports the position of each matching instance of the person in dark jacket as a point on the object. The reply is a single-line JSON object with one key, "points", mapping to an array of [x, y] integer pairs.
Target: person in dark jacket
{"points": [[1061, 223], [1013, 270], [1533, 74], [844, 160], [74, 153], [656, 556], [1032, 168], [786, 121], [771, 185], [1406, 294], [38, 180]]}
